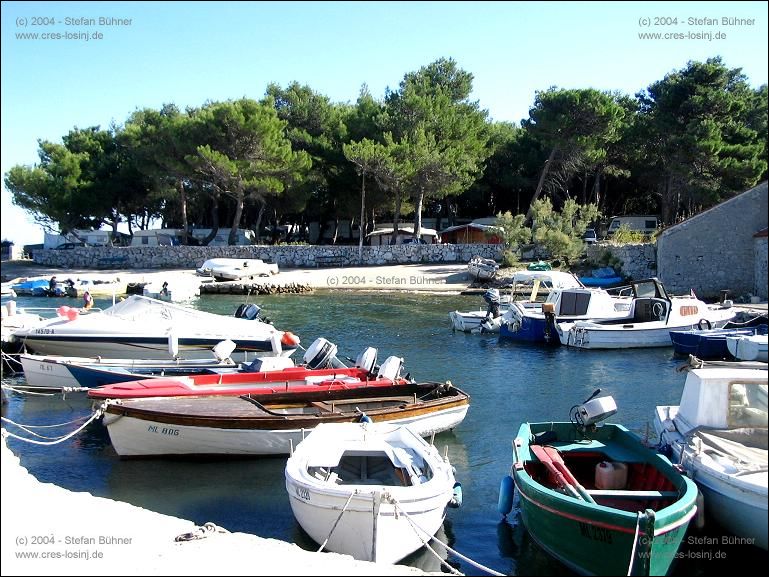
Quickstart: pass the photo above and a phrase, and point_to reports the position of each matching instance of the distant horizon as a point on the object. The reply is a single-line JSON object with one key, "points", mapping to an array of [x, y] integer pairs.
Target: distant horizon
{"points": [[155, 53]]}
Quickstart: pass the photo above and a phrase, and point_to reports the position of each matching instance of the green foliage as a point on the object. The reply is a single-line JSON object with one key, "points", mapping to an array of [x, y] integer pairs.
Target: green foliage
{"points": [[513, 230], [704, 130], [625, 235], [511, 259], [607, 258], [560, 233]]}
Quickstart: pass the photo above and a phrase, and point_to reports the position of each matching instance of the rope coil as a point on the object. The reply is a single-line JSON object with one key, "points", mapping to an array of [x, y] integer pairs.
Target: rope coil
{"points": [[201, 532]]}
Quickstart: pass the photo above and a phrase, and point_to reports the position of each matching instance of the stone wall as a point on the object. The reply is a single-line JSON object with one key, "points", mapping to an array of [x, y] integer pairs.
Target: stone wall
{"points": [[638, 261], [761, 255], [286, 256], [715, 250]]}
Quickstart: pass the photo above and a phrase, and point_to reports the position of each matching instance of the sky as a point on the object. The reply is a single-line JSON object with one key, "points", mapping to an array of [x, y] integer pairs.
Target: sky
{"points": [[108, 59]]}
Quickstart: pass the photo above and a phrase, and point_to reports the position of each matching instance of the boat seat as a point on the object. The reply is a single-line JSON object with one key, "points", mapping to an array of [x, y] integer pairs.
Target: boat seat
{"points": [[638, 495], [612, 452]]}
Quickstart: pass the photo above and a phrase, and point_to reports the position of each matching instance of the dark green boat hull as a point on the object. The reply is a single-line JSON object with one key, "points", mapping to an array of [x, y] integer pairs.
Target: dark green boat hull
{"points": [[595, 539]]}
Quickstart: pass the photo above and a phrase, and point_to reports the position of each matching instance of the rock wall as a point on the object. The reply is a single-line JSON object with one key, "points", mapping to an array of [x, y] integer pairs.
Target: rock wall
{"points": [[716, 249], [286, 256], [638, 261]]}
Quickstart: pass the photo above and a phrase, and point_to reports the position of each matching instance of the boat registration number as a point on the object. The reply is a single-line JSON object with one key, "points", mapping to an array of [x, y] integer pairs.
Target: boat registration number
{"points": [[595, 533], [163, 430], [44, 331], [302, 492]]}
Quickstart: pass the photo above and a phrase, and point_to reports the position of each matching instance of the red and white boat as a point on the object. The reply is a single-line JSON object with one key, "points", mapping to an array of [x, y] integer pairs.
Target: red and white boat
{"points": [[322, 371]]}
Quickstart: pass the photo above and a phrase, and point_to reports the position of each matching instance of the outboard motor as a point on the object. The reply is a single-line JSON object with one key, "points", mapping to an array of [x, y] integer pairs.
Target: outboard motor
{"points": [[367, 360], [223, 349], [391, 368], [491, 296], [321, 355], [592, 411]]}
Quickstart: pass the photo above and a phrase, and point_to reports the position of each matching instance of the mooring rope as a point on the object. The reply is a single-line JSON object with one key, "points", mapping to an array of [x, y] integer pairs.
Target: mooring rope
{"points": [[337, 520], [96, 414], [453, 551], [60, 391], [201, 532]]}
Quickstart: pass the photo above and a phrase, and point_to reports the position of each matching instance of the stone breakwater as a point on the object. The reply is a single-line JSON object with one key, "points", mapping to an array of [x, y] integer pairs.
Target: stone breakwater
{"points": [[244, 288]]}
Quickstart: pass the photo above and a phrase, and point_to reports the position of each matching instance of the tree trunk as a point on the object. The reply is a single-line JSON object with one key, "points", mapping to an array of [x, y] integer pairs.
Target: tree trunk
{"points": [[183, 202], [396, 218], [214, 222], [259, 216], [418, 215], [361, 230], [540, 184], [233, 238]]}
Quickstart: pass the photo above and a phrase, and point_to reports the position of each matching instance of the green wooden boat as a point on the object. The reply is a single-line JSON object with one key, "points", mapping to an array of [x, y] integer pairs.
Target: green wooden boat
{"points": [[597, 499]]}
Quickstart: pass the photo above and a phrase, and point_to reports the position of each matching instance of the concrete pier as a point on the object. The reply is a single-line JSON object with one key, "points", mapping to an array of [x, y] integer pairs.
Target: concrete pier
{"points": [[48, 530]]}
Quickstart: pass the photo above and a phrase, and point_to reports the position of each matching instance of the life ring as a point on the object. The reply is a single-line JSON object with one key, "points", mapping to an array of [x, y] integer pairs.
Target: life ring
{"points": [[658, 311], [706, 323]]}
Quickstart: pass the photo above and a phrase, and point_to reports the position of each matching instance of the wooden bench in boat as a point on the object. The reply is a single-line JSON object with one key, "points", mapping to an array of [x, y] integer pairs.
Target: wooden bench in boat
{"points": [[329, 405], [629, 494]]}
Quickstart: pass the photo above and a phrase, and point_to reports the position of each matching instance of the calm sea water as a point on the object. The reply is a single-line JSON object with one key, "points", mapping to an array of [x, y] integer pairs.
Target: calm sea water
{"points": [[508, 383]]}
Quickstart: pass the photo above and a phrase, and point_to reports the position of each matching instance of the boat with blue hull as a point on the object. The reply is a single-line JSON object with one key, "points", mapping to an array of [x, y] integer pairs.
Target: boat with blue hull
{"points": [[710, 344], [534, 322]]}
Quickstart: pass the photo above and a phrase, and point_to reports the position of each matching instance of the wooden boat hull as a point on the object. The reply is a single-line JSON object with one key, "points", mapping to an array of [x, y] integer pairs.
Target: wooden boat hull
{"points": [[226, 425], [601, 538]]}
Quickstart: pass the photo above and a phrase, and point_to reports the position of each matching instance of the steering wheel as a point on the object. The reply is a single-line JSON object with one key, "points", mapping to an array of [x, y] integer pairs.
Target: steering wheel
{"points": [[704, 323], [658, 311]]}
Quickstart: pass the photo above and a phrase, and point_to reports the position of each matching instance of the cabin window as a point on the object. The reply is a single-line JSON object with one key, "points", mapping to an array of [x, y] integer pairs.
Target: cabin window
{"points": [[688, 310], [747, 405], [574, 304]]}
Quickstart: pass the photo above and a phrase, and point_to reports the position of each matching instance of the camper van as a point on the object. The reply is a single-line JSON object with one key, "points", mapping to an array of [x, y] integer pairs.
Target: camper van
{"points": [[645, 224]]}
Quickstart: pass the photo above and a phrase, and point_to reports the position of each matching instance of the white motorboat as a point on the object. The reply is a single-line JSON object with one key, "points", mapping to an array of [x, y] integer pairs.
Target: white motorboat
{"points": [[227, 269], [651, 317], [143, 328], [718, 434], [61, 373], [567, 300], [470, 321], [748, 347], [481, 268], [375, 491]]}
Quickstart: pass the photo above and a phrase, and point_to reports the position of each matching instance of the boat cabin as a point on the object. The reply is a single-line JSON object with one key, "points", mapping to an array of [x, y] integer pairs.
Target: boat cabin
{"points": [[723, 398]]}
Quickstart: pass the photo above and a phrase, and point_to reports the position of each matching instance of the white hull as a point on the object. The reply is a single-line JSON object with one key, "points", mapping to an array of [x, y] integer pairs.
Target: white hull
{"points": [[593, 335], [748, 348], [395, 537], [145, 328], [375, 518], [137, 350], [132, 437], [39, 373], [470, 322], [736, 502]]}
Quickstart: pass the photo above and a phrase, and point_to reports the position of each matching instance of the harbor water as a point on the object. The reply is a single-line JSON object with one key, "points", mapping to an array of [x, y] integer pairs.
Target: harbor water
{"points": [[508, 383]]}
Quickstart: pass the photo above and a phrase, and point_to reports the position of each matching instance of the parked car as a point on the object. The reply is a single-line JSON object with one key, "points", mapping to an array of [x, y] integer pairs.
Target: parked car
{"points": [[590, 236]]}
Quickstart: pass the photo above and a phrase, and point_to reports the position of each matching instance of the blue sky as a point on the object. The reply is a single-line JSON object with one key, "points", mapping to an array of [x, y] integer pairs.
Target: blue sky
{"points": [[191, 52]]}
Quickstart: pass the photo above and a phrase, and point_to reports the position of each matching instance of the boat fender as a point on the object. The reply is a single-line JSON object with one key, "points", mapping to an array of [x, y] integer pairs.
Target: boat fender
{"points": [[289, 339], [703, 324], [456, 499], [506, 493]]}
